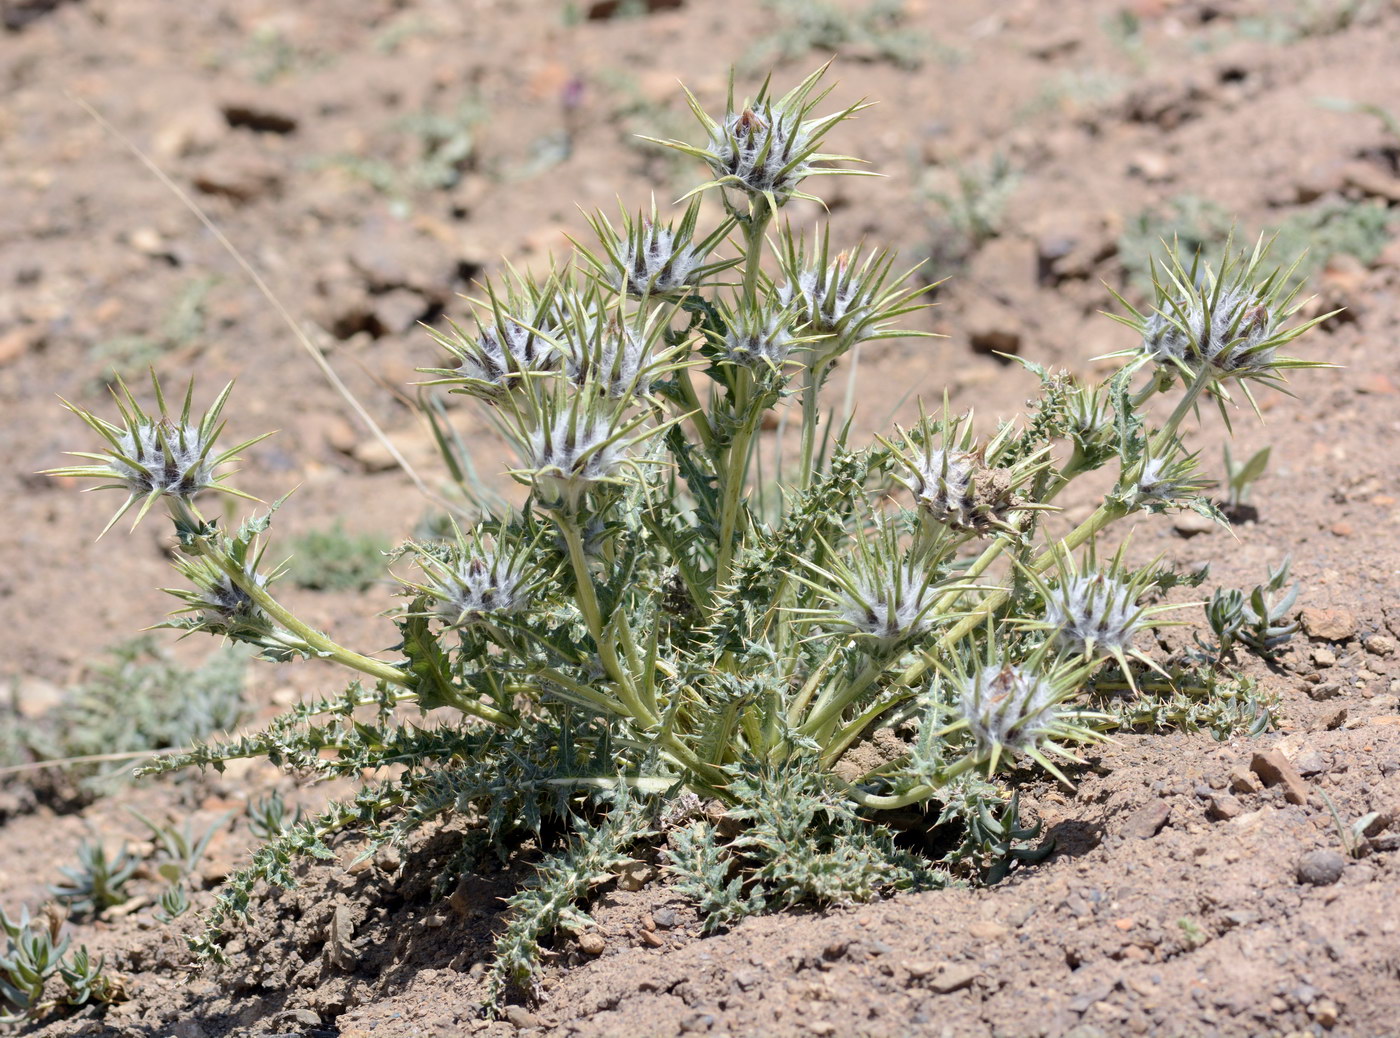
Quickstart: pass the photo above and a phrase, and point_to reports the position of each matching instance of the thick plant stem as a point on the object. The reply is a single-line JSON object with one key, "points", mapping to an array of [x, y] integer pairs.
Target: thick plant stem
{"points": [[593, 619], [735, 471], [810, 416]]}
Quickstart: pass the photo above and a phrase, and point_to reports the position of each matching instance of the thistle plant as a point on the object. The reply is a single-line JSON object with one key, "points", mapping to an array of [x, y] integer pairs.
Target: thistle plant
{"points": [[677, 600]]}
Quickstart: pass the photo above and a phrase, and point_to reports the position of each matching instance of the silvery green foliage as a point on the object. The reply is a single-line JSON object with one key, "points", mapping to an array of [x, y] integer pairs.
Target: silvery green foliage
{"points": [[680, 601], [32, 955], [96, 882]]}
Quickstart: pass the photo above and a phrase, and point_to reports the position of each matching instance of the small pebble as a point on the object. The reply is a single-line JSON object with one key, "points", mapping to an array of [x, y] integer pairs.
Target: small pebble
{"points": [[1380, 644], [666, 918], [1320, 868], [591, 942]]}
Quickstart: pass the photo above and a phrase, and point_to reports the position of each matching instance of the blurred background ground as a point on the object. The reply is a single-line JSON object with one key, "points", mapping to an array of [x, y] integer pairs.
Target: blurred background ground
{"points": [[374, 159]]}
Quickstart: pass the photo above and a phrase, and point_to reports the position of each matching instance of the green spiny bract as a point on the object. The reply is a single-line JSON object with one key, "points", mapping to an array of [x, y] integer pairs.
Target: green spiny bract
{"points": [[680, 602], [154, 456]]}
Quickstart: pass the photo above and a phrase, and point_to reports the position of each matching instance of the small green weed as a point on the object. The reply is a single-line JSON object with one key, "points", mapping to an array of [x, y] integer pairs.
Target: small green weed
{"points": [[139, 699], [95, 883], [970, 213], [331, 559], [33, 954], [129, 357], [875, 32]]}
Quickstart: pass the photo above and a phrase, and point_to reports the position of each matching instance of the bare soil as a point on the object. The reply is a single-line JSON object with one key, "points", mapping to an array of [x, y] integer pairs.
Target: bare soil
{"points": [[1173, 903]]}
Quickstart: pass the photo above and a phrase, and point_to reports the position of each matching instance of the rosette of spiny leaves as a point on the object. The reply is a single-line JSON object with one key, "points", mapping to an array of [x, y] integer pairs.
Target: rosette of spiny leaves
{"points": [[766, 146], [647, 258], [160, 455], [1226, 322]]}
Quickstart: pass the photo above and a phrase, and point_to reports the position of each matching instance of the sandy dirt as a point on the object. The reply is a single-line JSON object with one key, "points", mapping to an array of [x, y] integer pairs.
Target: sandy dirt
{"points": [[373, 157]]}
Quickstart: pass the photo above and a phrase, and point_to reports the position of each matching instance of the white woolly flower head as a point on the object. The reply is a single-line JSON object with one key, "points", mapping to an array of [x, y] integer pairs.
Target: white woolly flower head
{"points": [[887, 607], [757, 338], [1093, 612], [516, 340], [875, 590], [476, 579], [161, 454], [1008, 708], [841, 299]]}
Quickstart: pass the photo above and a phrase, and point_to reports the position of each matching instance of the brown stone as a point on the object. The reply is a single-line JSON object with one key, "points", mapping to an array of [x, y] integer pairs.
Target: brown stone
{"points": [[1147, 822], [1224, 807], [1332, 625], [1274, 769], [1242, 780]]}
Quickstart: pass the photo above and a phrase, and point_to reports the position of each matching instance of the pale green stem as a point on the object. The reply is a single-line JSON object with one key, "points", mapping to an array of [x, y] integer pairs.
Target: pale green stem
{"points": [[833, 702], [317, 642], [593, 618], [843, 738], [736, 478], [810, 417], [914, 796]]}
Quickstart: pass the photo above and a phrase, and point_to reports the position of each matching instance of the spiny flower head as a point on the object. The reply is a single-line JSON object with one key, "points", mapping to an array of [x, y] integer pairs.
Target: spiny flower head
{"points": [[1169, 479], [1225, 323], [1091, 611], [958, 484], [1008, 708], [756, 338], [766, 146], [479, 578], [883, 595], [217, 604], [843, 300], [515, 340], [1017, 708], [157, 455], [612, 350], [572, 441], [648, 258]]}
